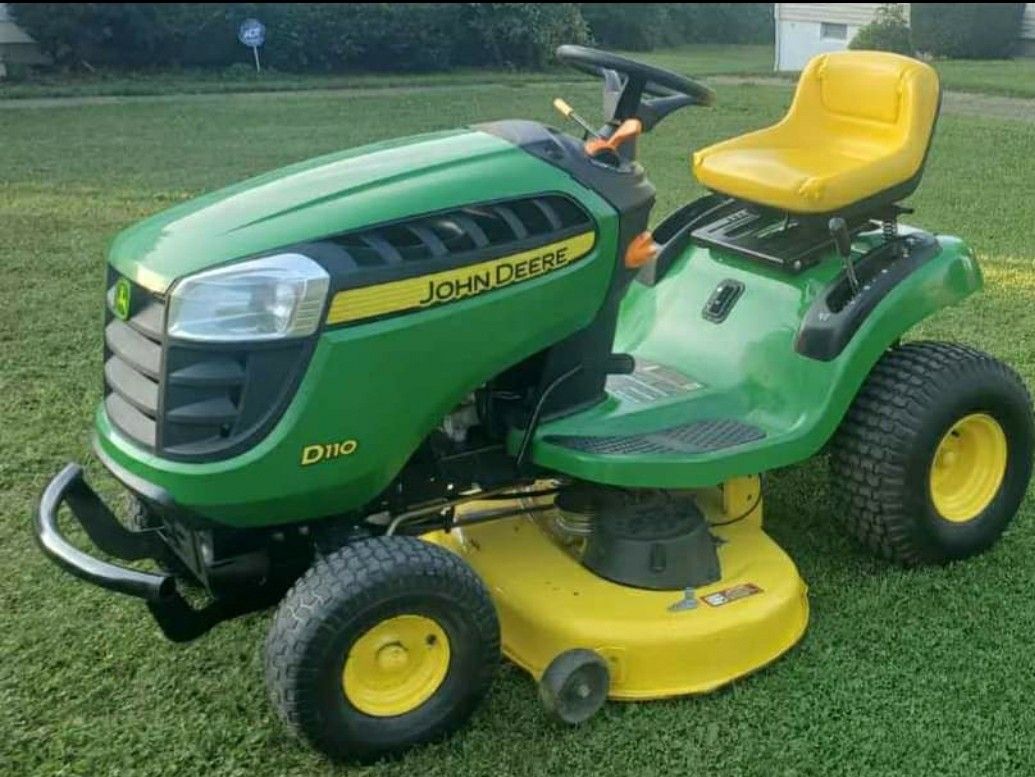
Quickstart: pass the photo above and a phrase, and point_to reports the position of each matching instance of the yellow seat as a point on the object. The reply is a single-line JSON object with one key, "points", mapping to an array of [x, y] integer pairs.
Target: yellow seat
{"points": [[856, 134]]}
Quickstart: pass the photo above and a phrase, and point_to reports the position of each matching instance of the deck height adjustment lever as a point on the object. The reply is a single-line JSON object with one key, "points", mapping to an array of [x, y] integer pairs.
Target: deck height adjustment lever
{"points": [[569, 113], [843, 241]]}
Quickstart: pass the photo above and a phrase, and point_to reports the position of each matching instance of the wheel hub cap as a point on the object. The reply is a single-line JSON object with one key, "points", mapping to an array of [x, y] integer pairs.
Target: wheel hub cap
{"points": [[392, 658], [396, 666], [968, 467]]}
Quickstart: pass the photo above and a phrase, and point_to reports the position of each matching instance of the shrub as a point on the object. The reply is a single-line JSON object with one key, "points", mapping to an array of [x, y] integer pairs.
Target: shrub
{"points": [[631, 26], [364, 36], [14, 72], [303, 36], [518, 34], [967, 30], [135, 34], [372, 36], [644, 26], [889, 31], [722, 22]]}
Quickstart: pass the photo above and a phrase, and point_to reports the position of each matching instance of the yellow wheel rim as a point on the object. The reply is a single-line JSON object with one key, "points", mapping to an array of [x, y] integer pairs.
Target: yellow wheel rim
{"points": [[396, 666], [968, 467]]}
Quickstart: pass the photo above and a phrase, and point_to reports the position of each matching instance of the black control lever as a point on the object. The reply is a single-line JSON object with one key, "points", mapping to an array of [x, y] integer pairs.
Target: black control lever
{"points": [[653, 110], [569, 113], [843, 241]]}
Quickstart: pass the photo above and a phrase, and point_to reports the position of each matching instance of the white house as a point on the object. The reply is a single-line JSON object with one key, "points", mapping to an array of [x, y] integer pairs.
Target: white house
{"points": [[806, 29], [15, 45]]}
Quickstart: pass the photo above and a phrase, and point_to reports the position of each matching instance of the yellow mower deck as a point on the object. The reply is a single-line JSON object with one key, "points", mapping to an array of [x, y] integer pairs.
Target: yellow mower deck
{"points": [[657, 643]]}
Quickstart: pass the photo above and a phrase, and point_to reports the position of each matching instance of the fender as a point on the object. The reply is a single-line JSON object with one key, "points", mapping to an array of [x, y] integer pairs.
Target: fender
{"points": [[776, 373]]}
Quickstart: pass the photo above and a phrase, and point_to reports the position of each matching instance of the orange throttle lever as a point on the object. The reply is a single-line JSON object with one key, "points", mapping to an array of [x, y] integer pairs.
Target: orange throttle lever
{"points": [[629, 129], [641, 250]]}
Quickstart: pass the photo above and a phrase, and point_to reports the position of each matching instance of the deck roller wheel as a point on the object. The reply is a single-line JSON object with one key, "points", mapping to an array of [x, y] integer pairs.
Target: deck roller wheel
{"points": [[575, 686]]}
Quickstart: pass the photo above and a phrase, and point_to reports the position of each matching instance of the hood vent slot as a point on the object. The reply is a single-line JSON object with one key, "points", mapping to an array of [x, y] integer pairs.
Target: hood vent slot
{"points": [[476, 230]]}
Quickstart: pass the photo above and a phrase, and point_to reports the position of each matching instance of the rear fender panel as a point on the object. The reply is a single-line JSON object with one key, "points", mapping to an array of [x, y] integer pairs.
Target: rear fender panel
{"points": [[749, 367]]}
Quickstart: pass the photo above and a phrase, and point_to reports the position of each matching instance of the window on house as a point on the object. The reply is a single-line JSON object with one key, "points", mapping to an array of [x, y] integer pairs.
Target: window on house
{"points": [[833, 31]]}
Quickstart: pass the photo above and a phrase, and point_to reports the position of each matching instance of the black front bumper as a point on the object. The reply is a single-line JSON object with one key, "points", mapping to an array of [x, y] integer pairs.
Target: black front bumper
{"points": [[105, 532], [177, 619]]}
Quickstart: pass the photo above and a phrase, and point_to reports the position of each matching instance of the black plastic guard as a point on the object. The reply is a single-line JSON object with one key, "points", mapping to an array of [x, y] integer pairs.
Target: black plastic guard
{"points": [[178, 620], [836, 314]]}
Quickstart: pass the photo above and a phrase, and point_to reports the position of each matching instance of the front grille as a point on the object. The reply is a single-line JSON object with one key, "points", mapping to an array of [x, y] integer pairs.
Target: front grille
{"points": [[191, 401], [133, 365]]}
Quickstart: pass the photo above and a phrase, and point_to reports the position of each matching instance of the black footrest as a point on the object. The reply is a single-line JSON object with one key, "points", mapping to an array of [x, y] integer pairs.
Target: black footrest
{"points": [[697, 437]]}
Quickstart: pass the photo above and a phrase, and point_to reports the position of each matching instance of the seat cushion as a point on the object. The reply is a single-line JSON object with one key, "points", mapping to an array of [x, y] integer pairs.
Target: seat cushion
{"points": [[858, 128], [796, 180]]}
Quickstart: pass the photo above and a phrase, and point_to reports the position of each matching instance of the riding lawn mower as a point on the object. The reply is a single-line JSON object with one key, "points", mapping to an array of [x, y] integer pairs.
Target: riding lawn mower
{"points": [[449, 396]]}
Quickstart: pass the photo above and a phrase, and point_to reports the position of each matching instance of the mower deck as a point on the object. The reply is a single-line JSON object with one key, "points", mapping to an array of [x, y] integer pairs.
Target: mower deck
{"points": [[657, 643]]}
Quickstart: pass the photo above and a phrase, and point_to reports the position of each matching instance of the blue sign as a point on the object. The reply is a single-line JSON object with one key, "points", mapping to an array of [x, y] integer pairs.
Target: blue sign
{"points": [[252, 33]]}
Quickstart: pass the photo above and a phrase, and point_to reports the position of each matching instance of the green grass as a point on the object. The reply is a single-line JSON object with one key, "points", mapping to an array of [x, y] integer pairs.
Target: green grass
{"points": [[104, 83], [1014, 78], [710, 60], [700, 60], [901, 672], [1010, 77]]}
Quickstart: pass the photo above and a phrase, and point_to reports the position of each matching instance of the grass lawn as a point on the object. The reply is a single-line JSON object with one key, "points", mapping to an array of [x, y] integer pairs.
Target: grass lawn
{"points": [[1012, 77], [708, 60], [907, 672], [103, 83], [699, 60]]}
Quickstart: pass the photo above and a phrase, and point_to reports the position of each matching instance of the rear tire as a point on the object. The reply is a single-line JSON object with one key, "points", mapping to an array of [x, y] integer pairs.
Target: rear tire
{"points": [[384, 644], [934, 456]]}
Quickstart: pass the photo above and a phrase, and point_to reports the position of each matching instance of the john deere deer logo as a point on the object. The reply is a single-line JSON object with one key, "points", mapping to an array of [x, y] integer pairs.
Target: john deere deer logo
{"points": [[121, 298]]}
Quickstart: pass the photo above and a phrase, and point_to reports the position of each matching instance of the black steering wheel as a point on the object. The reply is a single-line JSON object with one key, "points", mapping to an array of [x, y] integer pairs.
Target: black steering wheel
{"points": [[627, 81]]}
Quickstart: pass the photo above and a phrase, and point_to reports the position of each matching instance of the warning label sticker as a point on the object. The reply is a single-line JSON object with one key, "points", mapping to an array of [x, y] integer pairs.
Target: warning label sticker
{"points": [[728, 595], [650, 382]]}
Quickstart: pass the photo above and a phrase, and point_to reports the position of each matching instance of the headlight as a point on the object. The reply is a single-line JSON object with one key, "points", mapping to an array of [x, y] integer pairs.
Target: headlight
{"points": [[262, 299]]}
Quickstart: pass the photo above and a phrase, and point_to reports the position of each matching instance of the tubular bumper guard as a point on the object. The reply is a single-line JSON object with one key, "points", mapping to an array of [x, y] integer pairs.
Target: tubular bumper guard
{"points": [[177, 619]]}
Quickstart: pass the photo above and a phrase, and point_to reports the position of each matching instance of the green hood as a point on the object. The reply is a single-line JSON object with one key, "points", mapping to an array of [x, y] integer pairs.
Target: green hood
{"points": [[309, 200]]}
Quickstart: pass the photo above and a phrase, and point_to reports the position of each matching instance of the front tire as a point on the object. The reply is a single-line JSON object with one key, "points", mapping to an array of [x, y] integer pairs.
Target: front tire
{"points": [[383, 644], [934, 457]]}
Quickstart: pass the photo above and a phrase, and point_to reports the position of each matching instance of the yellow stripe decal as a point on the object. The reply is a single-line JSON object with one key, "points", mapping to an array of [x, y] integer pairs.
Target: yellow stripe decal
{"points": [[439, 288]]}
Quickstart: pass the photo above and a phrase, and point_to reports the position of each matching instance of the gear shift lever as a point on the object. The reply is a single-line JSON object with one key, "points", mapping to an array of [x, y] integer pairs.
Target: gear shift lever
{"points": [[843, 241]]}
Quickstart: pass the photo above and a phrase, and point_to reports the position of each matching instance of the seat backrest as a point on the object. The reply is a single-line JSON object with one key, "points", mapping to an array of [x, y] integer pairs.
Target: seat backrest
{"points": [[867, 103]]}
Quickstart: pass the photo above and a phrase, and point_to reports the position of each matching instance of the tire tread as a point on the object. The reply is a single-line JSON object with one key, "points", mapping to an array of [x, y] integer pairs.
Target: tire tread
{"points": [[870, 450], [361, 574]]}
